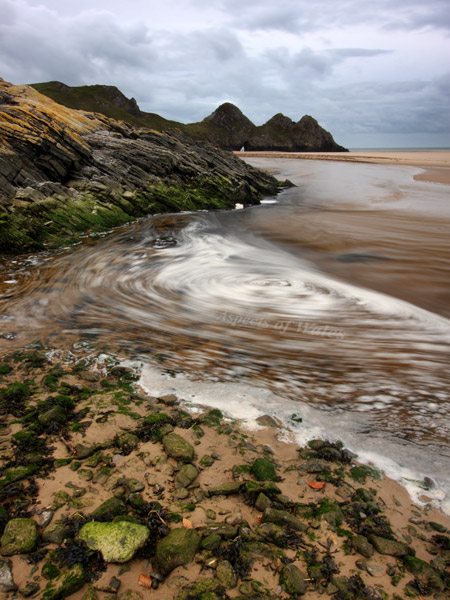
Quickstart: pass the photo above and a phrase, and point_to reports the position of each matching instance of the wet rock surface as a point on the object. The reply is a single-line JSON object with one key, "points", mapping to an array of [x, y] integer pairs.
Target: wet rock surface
{"points": [[63, 172]]}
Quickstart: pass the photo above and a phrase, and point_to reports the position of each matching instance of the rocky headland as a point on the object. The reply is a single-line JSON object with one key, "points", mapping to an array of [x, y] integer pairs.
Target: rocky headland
{"points": [[107, 492], [65, 172], [227, 127]]}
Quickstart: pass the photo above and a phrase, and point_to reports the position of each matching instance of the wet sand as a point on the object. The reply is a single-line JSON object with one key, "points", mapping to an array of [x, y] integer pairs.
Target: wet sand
{"points": [[436, 163]]}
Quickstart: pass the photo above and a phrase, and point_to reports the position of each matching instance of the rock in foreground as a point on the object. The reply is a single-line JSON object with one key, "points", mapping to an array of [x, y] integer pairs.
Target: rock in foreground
{"points": [[118, 542]]}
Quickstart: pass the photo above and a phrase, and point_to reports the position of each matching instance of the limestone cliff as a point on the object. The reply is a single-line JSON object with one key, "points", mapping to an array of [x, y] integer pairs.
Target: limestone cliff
{"points": [[227, 127], [65, 171]]}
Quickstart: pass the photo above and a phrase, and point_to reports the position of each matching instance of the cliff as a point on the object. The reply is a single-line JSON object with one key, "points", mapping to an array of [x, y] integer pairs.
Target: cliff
{"points": [[64, 172], [227, 127]]}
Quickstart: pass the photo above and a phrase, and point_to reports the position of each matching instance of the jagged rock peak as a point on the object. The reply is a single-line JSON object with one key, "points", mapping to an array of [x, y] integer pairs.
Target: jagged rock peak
{"points": [[280, 121], [229, 116]]}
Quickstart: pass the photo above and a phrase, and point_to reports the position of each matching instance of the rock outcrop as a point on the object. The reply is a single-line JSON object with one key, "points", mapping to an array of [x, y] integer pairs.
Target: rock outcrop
{"points": [[227, 127], [64, 172]]}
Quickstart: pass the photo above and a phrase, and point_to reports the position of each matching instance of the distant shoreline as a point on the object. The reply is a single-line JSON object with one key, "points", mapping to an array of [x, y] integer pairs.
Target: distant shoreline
{"points": [[435, 162]]}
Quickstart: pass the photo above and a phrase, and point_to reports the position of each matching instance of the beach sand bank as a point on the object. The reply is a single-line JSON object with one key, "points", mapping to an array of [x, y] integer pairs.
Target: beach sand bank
{"points": [[268, 519], [435, 165]]}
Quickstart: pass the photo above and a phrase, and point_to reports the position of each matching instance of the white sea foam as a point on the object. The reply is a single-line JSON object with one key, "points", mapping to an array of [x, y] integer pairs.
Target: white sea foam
{"points": [[402, 462]]}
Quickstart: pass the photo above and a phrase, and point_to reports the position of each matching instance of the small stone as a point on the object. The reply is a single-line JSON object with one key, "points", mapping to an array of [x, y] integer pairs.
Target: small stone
{"points": [[45, 518], [6, 577], [168, 399], [90, 593], [180, 493], [374, 569], [130, 595], [207, 461], [262, 502], [29, 589], [268, 421], [85, 474], [211, 542], [19, 537], [113, 586]]}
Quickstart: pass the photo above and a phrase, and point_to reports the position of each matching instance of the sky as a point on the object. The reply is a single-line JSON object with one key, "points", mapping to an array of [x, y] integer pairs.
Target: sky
{"points": [[374, 73]]}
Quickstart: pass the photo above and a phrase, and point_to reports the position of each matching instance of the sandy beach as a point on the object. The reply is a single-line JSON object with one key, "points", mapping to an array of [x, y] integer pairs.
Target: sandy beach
{"points": [[257, 515], [435, 165]]}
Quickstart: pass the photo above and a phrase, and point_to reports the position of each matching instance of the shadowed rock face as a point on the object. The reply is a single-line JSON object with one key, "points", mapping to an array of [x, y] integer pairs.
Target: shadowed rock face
{"points": [[65, 171]]}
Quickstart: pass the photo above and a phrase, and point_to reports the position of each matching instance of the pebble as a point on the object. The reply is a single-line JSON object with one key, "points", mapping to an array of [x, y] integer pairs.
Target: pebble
{"points": [[45, 518]]}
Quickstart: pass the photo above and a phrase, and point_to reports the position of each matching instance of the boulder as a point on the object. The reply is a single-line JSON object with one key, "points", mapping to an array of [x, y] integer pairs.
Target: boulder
{"points": [[283, 519], [263, 470], [109, 509], [176, 549], [186, 475], [293, 580], [68, 582], [178, 448], [117, 542], [389, 547], [19, 537]]}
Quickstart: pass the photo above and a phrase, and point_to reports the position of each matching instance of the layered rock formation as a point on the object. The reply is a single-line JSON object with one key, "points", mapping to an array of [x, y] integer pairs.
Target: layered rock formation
{"points": [[232, 130], [227, 127], [64, 171]]}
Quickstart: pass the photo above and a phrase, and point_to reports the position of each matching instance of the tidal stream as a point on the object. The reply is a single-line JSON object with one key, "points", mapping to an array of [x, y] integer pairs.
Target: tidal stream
{"points": [[332, 301]]}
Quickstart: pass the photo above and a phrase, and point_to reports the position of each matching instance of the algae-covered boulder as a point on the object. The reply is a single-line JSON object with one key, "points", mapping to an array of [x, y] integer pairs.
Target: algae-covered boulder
{"points": [[283, 519], [54, 416], [117, 541], [56, 533], [292, 580], [178, 448], [362, 545], [389, 547], [226, 574], [109, 509], [67, 583], [186, 475], [263, 470], [225, 489], [176, 549], [19, 537]]}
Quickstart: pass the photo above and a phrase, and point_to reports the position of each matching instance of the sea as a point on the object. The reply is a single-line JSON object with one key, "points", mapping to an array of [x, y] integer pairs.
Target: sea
{"points": [[326, 307]]}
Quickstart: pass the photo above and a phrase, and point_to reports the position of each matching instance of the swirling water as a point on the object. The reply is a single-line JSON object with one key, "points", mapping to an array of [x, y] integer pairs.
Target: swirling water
{"points": [[334, 297]]}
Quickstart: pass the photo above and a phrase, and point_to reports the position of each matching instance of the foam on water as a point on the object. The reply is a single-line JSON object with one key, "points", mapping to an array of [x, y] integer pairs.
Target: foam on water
{"points": [[404, 463]]}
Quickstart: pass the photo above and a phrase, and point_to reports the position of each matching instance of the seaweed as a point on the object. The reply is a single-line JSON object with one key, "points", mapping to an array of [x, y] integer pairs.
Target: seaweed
{"points": [[355, 589], [232, 552]]}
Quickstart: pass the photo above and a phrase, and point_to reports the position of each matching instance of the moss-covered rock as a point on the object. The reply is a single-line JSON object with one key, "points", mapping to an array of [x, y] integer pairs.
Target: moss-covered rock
{"points": [[186, 475], [54, 416], [67, 583], [19, 537], [109, 509], [362, 545], [178, 448], [226, 574], [283, 518], [117, 542], [389, 547], [293, 580], [225, 489], [176, 549], [263, 470], [17, 473], [56, 533]]}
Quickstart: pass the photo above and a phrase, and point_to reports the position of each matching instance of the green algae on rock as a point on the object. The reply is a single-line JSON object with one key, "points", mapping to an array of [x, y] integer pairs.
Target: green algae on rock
{"points": [[19, 537], [175, 549], [117, 542], [68, 582], [178, 448]]}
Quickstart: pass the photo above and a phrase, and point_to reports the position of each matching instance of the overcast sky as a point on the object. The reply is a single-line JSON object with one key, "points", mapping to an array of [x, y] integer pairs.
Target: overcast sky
{"points": [[374, 73]]}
